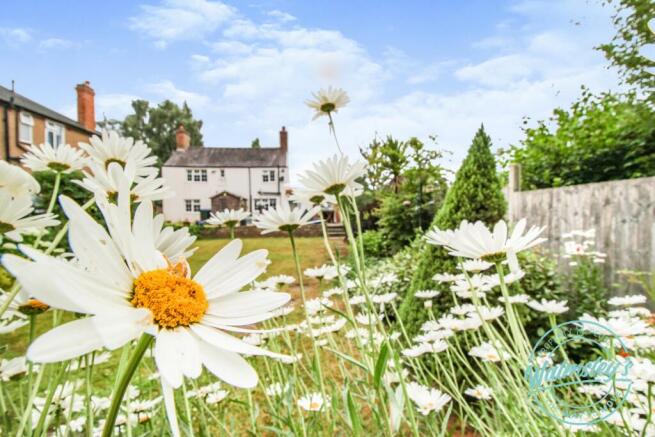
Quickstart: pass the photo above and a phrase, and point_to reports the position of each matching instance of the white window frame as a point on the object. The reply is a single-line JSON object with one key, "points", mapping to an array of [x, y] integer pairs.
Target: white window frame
{"points": [[55, 129], [196, 175], [26, 121], [192, 205]]}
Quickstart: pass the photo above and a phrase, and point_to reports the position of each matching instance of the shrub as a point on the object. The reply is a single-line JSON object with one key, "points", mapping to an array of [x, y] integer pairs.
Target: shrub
{"points": [[601, 138], [374, 244], [475, 195]]}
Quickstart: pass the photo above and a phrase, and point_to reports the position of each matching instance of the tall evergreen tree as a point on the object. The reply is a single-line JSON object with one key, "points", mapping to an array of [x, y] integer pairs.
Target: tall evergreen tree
{"points": [[475, 195]]}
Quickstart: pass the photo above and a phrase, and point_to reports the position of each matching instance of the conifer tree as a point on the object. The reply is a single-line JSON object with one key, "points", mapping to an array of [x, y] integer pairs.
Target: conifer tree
{"points": [[475, 195]]}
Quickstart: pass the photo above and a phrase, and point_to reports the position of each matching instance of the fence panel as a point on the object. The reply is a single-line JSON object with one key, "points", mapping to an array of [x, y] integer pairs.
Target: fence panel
{"points": [[622, 212]]}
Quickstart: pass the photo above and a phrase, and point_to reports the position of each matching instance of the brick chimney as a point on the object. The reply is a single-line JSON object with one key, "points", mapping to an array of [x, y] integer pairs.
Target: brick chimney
{"points": [[182, 139], [284, 140], [86, 110]]}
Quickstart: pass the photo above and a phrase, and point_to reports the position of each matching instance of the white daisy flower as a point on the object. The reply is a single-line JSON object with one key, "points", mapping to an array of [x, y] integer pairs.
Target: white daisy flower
{"points": [[112, 147], [487, 313], [280, 280], [382, 299], [17, 181], [276, 389], [426, 399], [634, 299], [63, 159], [283, 311], [327, 101], [455, 324], [327, 272], [487, 352], [12, 368], [334, 176], [447, 277], [15, 218], [173, 244], [312, 402], [476, 241], [549, 306], [516, 298], [476, 265], [367, 318], [626, 328], [334, 291], [480, 392], [426, 294], [128, 288], [227, 217], [106, 183], [283, 218]]}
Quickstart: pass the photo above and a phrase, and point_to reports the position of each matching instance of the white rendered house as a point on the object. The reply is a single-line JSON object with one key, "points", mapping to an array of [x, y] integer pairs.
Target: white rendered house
{"points": [[209, 179]]}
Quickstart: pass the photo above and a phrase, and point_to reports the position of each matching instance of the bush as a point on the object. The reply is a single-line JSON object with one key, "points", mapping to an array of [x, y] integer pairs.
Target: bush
{"points": [[475, 195], [601, 138], [374, 244]]}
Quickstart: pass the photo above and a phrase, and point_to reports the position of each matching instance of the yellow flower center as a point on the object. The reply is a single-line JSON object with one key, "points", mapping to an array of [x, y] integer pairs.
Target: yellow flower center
{"points": [[173, 299]]}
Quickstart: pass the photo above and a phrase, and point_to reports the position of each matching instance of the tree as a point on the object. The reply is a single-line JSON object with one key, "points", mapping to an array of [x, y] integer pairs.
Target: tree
{"points": [[386, 162], [600, 138], [410, 206], [156, 126], [255, 144], [475, 195], [631, 21]]}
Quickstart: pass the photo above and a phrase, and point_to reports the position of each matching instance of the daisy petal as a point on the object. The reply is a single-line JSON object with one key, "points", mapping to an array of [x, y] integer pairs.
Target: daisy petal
{"points": [[65, 342], [247, 303], [228, 366]]}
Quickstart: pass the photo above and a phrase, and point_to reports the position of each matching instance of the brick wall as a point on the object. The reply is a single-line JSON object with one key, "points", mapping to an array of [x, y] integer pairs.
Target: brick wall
{"points": [[251, 231]]}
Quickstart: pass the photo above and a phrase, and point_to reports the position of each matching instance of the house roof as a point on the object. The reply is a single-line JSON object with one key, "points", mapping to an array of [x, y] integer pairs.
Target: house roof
{"points": [[23, 102], [228, 157]]}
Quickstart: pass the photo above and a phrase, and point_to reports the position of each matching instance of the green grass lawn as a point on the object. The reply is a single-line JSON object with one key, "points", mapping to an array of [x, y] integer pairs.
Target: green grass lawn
{"points": [[311, 250]]}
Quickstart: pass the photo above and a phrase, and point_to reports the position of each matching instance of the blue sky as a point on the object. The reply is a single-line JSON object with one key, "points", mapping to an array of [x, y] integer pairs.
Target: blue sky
{"points": [[413, 68]]}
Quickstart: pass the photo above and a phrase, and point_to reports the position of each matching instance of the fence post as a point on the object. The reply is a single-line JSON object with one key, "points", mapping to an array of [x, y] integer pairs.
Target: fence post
{"points": [[513, 185]]}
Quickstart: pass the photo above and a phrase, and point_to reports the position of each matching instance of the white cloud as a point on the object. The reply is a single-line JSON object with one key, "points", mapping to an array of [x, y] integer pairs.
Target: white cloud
{"points": [[56, 43], [15, 36], [180, 20], [116, 106], [259, 75], [281, 16], [166, 89]]}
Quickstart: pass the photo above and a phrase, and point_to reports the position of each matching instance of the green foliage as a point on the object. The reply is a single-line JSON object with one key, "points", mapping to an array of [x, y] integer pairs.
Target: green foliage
{"points": [[386, 162], [606, 137], [541, 281], [632, 32], [255, 144], [374, 244], [67, 187], [156, 126], [586, 289], [475, 195], [405, 186]]}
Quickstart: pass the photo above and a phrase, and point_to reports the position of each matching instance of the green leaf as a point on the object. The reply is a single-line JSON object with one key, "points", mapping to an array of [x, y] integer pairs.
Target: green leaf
{"points": [[347, 358], [381, 365], [355, 422]]}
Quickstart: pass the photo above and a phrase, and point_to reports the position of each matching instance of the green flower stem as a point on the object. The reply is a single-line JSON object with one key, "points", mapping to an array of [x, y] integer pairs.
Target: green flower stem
{"points": [[124, 381], [304, 302], [334, 132], [231, 232], [52, 386]]}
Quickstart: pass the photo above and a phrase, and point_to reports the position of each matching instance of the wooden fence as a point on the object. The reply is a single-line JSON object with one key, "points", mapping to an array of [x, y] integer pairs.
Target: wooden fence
{"points": [[622, 212]]}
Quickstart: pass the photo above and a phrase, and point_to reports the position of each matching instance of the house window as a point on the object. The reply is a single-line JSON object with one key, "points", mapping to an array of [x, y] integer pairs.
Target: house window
{"points": [[268, 175], [196, 175], [265, 203], [222, 172], [281, 175], [55, 135], [26, 130], [192, 205]]}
